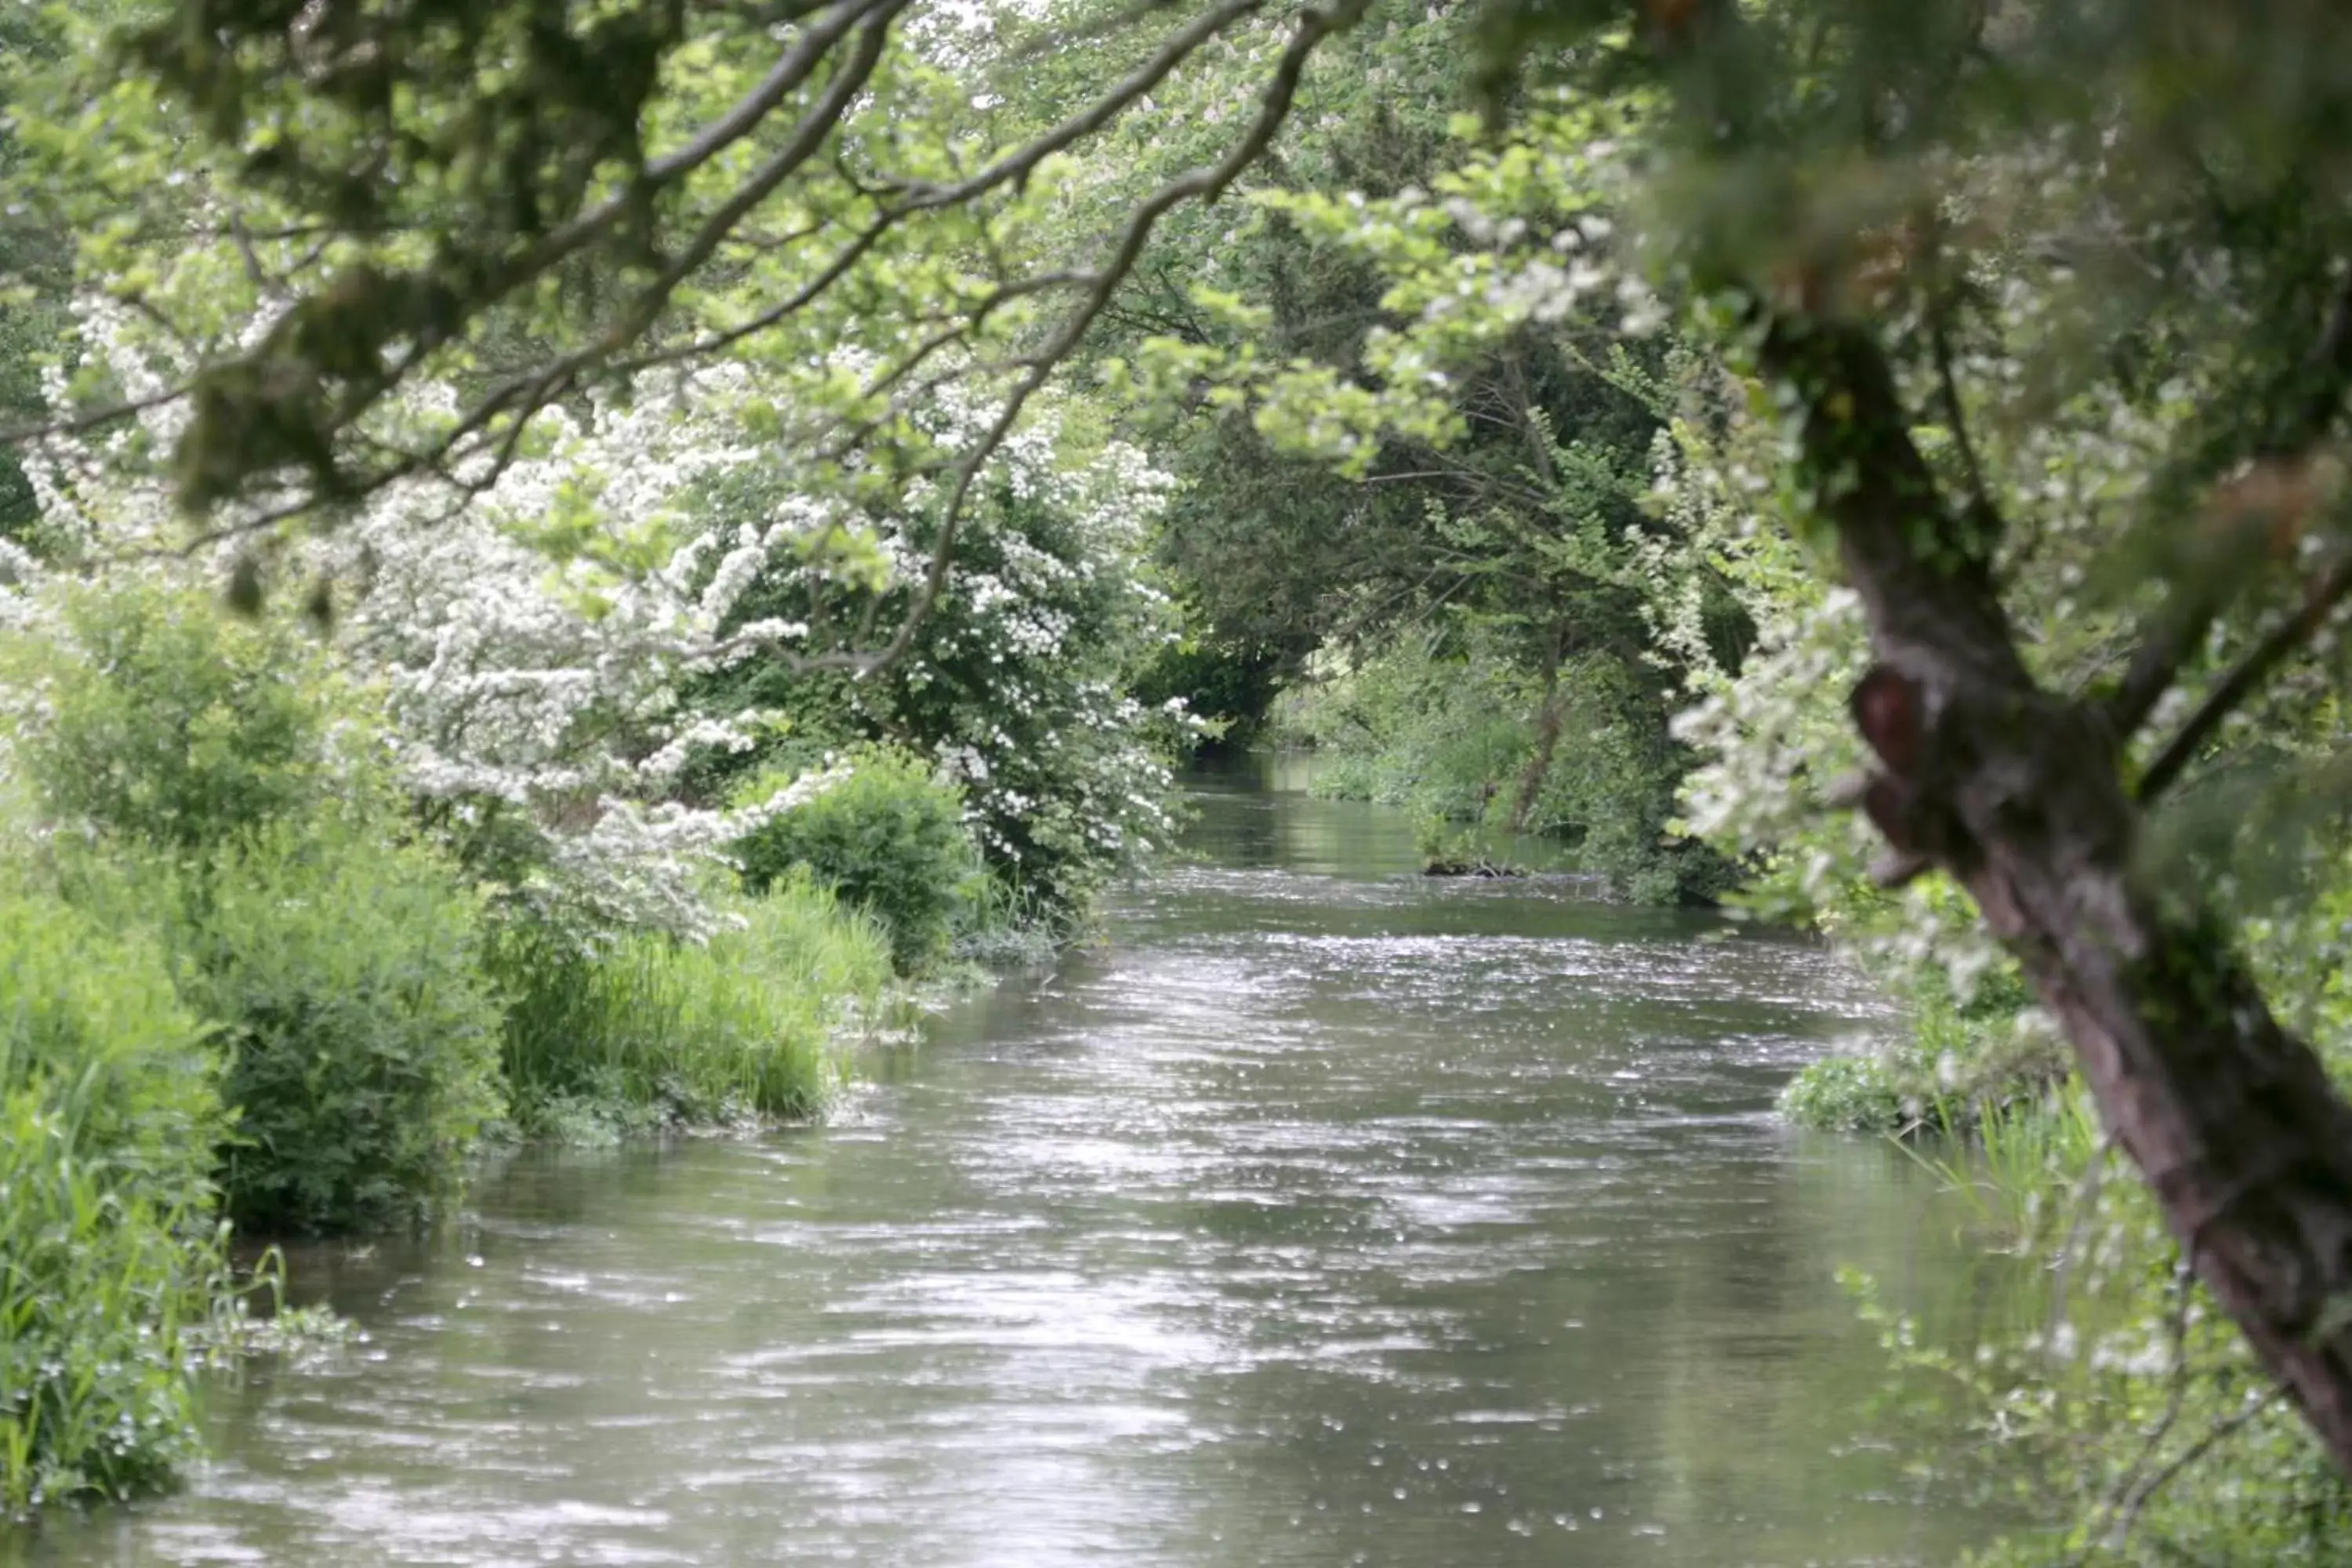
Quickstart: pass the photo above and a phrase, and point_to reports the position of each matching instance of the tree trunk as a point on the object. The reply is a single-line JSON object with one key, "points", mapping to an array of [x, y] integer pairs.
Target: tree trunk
{"points": [[2019, 793]]}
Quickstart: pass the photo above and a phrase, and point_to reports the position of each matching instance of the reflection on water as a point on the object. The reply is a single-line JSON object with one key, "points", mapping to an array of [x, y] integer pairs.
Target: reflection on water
{"points": [[1324, 1215]]}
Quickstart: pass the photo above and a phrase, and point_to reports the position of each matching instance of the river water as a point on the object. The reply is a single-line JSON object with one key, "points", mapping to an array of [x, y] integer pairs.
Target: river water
{"points": [[1323, 1214]]}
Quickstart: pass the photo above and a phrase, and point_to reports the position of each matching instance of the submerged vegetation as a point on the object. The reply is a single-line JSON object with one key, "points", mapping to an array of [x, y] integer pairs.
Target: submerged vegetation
{"points": [[555, 555]]}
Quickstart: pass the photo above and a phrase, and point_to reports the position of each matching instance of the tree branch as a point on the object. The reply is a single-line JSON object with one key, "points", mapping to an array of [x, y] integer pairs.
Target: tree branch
{"points": [[2312, 401], [1206, 183], [1986, 515], [1018, 163], [2320, 602]]}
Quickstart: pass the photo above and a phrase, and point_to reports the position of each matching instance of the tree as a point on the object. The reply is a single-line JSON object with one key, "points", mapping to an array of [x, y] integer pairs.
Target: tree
{"points": [[2035, 797], [527, 200], [530, 202]]}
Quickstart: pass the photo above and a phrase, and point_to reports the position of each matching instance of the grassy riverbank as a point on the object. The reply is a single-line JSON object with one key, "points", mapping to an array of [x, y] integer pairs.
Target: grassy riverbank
{"points": [[165, 1082], [248, 987]]}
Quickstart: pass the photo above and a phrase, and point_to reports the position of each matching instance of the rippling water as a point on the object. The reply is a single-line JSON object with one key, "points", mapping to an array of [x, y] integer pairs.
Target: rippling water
{"points": [[1326, 1215]]}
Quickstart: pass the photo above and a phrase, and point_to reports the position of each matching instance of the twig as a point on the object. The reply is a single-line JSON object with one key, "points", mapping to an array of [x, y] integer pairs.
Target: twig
{"points": [[2176, 1399], [2205, 1444], [1017, 165], [1980, 503]]}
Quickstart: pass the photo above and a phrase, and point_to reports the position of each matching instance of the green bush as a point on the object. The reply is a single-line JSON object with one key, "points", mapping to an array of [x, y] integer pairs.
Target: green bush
{"points": [[1845, 1094], [108, 1118], [344, 970], [166, 721], [889, 839], [650, 1029]]}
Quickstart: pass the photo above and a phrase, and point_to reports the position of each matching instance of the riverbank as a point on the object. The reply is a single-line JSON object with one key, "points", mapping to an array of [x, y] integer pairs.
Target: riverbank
{"points": [[1322, 1209]]}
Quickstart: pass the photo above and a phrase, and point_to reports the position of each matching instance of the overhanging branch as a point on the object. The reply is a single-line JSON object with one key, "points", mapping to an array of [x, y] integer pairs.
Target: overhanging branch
{"points": [[2308, 406], [2325, 592]]}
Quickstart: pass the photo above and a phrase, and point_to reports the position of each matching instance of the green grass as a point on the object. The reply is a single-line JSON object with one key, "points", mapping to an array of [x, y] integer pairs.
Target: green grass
{"points": [[108, 1247], [2015, 1162], [649, 1031]]}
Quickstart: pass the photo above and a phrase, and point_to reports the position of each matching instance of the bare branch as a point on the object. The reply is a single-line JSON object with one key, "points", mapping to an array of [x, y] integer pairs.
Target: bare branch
{"points": [[91, 419]]}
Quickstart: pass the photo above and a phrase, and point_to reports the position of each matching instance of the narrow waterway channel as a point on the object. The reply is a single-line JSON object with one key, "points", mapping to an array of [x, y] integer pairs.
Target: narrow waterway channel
{"points": [[1324, 1215]]}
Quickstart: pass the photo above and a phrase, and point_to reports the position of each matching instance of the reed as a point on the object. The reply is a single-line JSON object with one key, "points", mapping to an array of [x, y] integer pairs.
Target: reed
{"points": [[2013, 1162], [745, 1025]]}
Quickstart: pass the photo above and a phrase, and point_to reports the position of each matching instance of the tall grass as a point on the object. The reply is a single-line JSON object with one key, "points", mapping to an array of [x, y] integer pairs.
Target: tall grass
{"points": [[1001, 926], [746, 1025], [108, 1247], [2015, 1161]]}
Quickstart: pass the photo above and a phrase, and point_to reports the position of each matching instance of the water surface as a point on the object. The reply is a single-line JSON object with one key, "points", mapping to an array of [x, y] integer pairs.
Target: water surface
{"points": [[1324, 1215]]}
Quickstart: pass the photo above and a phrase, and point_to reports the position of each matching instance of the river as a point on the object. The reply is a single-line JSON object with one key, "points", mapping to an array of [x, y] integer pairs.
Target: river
{"points": [[1323, 1215]]}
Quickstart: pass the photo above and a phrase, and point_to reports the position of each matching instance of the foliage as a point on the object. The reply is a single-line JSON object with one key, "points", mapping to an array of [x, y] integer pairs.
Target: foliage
{"points": [[343, 970], [1734, 349], [1014, 680], [1440, 729], [654, 1031], [2120, 1401], [1226, 686], [109, 1112], [612, 192], [888, 840], [1849, 1092], [628, 612], [144, 712], [1448, 724], [1002, 926], [523, 655], [211, 771]]}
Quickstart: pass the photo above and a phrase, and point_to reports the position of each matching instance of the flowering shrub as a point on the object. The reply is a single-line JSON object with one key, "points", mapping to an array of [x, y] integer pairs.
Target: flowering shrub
{"points": [[564, 651], [524, 639], [1014, 680]]}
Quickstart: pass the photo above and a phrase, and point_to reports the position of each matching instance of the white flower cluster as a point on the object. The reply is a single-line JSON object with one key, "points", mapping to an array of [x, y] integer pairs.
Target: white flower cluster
{"points": [[530, 676], [535, 627]]}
